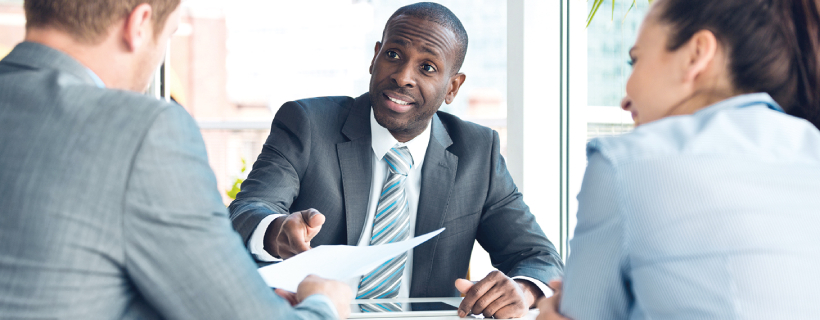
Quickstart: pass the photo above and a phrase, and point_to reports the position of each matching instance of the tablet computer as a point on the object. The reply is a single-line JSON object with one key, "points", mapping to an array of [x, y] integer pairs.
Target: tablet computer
{"points": [[364, 309]]}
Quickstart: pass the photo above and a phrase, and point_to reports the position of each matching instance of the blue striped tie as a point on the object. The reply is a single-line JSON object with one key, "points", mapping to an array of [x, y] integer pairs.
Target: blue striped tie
{"points": [[391, 224]]}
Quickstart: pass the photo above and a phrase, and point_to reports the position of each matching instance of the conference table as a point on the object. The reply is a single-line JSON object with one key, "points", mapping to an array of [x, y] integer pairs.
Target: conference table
{"points": [[451, 301]]}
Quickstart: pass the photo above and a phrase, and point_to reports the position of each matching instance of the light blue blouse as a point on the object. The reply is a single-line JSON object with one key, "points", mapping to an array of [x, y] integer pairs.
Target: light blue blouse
{"points": [[714, 215]]}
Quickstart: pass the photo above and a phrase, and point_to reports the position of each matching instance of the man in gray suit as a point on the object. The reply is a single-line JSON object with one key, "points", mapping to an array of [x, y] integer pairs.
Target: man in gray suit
{"points": [[386, 166], [109, 208]]}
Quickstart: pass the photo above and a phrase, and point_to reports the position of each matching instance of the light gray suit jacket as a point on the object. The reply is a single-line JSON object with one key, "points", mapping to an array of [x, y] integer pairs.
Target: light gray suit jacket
{"points": [[319, 155], [109, 208]]}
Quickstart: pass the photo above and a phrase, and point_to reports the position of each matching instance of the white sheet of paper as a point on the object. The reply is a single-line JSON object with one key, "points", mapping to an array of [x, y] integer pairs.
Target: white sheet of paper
{"points": [[336, 262]]}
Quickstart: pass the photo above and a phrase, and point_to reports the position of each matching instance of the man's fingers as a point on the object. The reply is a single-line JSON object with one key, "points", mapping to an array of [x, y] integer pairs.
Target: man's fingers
{"points": [[466, 306], [296, 233], [313, 223], [286, 252], [300, 245], [313, 218], [509, 311], [463, 285], [473, 294], [494, 297]]}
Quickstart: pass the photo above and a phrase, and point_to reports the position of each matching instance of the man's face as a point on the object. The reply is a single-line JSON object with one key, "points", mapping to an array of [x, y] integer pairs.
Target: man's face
{"points": [[412, 74], [153, 53]]}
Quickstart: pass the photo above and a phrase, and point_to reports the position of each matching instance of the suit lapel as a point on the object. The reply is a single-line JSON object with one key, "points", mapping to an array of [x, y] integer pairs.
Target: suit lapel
{"points": [[437, 178], [355, 161]]}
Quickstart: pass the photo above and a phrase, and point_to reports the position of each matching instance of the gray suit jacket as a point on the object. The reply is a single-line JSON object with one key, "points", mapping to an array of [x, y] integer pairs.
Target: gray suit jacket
{"points": [[109, 208], [319, 156]]}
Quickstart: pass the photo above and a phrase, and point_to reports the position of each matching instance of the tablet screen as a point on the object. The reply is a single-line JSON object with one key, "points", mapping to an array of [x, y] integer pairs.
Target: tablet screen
{"points": [[430, 306]]}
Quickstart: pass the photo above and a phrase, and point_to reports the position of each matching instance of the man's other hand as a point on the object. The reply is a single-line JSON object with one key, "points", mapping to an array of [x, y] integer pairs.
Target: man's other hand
{"points": [[497, 296], [549, 306], [337, 291], [290, 235]]}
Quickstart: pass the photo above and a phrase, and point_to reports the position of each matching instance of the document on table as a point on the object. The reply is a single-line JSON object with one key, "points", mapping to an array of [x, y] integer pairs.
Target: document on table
{"points": [[336, 262]]}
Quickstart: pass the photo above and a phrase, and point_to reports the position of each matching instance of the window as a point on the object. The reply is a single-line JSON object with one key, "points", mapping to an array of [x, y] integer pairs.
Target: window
{"points": [[598, 75], [12, 25], [565, 83]]}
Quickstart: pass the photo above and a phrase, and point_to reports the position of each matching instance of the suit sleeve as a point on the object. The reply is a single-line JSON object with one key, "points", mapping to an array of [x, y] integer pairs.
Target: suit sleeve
{"points": [[273, 183], [596, 285], [509, 232], [181, 253]]}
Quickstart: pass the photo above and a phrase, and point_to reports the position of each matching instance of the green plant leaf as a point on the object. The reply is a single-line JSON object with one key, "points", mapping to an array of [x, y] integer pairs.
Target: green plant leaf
{"points": [[630, 9], [235, 189], [613, 10], [596, 4], [237, 185]]}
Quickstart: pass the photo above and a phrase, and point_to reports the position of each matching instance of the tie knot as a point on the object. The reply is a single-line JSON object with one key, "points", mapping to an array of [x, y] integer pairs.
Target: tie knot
{"points": [[399, 160]]}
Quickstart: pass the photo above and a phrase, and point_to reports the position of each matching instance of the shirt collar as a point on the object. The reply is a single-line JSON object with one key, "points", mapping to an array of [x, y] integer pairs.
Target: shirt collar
{"points": [[382, 141], [742, 101], [96, 78]]}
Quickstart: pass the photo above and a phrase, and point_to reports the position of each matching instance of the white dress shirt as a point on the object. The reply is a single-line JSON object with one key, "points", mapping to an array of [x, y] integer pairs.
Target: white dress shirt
{"points": [[381, 142]]}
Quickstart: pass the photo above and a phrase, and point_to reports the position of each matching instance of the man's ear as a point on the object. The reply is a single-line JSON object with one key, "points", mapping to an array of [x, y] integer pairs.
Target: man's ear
{"points": [[138, 28], [452, 88], [375, 54], [700, 53]]}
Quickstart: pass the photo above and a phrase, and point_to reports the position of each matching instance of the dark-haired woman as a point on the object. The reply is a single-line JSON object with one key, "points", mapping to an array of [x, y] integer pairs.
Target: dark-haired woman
{"points": [[710, 208]]}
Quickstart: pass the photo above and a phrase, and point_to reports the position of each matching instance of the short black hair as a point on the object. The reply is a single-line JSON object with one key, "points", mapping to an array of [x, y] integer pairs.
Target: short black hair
{"points": [[439, 14]]}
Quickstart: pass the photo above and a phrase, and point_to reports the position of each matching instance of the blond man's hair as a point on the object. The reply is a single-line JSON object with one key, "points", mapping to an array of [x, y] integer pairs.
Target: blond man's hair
{"points": [[88, 21]]}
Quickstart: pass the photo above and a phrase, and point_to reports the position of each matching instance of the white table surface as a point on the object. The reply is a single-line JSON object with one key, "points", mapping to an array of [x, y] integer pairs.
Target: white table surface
{"points": [[452, 301]]}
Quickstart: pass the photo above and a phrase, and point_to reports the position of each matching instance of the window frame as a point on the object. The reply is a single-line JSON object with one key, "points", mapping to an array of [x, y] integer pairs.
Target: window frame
{"points": [[539, 119]]}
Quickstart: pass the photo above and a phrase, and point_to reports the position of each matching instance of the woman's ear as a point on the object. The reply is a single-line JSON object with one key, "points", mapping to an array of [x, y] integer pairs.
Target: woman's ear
{"points": [[699, 55]]}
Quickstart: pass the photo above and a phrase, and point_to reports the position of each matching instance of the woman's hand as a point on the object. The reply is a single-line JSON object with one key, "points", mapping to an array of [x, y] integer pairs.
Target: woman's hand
{"points": [[549, 306]]}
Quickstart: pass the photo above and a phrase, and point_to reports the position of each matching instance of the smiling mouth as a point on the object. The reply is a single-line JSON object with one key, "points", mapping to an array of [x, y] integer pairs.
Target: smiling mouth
{"points": [[397, 101]]}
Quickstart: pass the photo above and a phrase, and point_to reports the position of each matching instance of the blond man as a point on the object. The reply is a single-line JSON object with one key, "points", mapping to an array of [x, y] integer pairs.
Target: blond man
{"points": [[109, 208]]}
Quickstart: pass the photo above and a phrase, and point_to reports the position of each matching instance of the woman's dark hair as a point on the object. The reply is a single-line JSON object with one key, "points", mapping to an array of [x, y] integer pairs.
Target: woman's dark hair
{"points": [[773, 45]]}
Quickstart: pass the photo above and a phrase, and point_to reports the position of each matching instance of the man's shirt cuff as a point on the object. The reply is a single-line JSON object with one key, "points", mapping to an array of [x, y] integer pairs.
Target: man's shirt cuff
{"points": [[546, 290], [256, 244], [320, 298]]}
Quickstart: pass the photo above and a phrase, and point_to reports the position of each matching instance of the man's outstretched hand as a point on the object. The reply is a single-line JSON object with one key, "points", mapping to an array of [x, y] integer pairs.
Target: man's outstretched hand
{"points": [[497, 296], [290, 235]]}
